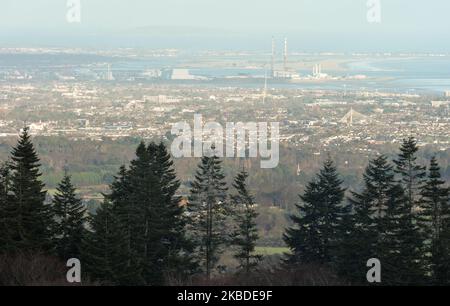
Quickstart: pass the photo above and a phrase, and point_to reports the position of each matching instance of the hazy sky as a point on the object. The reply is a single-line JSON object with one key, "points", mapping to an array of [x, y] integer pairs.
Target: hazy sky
{"points": [[310, 24]]}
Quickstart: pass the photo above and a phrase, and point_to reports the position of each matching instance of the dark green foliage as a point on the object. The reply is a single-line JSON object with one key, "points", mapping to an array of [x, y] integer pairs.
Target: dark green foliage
{"points": [[30, 218], [176, 249], [142, 236], [349, 255], [104, 249], [304, 239], [393, 236], [126, 215], [411, 262], [5, 203], [145, 199], [366, 230], [149, 219], [411, 173], [208, 211], [385, 223], [246, 233], [70, 217], [434, 218], [314, 237]]}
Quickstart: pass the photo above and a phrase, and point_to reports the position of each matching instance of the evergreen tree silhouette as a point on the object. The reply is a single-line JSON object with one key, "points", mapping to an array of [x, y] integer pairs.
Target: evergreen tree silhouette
{"points": [[208, 211], [314, 236], [5, 209], [434, 218], [246, 233], [411, 262], [104, 249], [70, 218], [32, 218]]}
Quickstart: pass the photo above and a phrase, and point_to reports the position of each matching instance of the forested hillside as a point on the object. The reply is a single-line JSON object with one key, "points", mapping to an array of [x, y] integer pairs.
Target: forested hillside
{"points": [[149, 229]]}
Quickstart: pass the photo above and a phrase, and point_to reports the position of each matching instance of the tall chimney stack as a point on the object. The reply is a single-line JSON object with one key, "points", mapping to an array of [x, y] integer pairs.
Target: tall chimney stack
{"points": [[285, 55], [272, 64]]}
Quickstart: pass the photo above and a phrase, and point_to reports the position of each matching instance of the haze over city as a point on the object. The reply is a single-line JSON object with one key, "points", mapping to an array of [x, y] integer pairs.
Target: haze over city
{"points": [[323, 25]]}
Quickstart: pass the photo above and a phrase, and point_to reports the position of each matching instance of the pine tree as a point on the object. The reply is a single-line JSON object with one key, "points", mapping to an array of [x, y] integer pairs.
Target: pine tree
{"points": [[411, 173], [5, 205], [208, 210], [314, 237], [32, 219], [176, 251], [368, 238], [304, 238], [349, 254], [144, 203], [127, 216], [395, 235], [411, 262], [70, 217], [148, 196], [435, 220], [246, 233], [104, 249]]}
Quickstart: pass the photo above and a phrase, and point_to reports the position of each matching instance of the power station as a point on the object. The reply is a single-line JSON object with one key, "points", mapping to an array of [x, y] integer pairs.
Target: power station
{"points": [[284, 73]]}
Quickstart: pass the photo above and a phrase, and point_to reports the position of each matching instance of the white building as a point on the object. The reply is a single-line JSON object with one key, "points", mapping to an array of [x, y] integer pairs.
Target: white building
{"points": [[439, 103]]}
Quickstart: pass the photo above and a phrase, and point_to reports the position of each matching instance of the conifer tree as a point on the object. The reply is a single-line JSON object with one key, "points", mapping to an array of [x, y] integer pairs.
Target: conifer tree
{"points": [[411, 262], [144, 204], [394, 236], [406, 244], [70, 217], [32, 219], [434, 218], [145, 198], [176, 250], [314, 236], [246, 233], [304, 238], [156, 222], [349, 254], [5, 206], [208, 210], [368, 236], [411, 173], [104, 249], [127, 216]]}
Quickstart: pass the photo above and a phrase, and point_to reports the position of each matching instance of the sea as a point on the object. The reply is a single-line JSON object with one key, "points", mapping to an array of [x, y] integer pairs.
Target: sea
{"points": [[410, 74]]}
